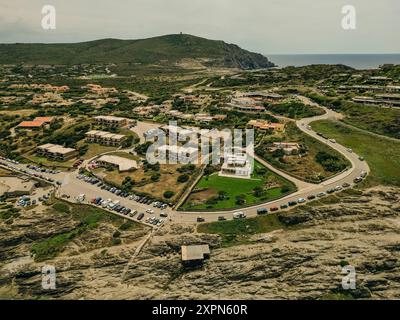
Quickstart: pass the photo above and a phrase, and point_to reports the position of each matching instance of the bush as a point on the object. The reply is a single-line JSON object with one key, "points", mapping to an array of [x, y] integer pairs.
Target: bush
{"points": [[168, 194], [183, 178], [61, 207], [116, 234]]}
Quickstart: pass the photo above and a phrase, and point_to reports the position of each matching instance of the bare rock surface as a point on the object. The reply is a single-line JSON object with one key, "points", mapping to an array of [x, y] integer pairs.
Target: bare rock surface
{"points": [[303, 262]]}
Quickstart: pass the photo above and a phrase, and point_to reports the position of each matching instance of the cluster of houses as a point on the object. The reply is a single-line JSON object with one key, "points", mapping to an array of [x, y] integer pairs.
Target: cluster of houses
{"points": [[199, 117], [42, 87], [59, 153], [253, 102], [99, 90]]}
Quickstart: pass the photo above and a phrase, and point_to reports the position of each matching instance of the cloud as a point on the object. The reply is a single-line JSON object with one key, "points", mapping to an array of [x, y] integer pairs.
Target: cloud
{"points": [[267, 26]]}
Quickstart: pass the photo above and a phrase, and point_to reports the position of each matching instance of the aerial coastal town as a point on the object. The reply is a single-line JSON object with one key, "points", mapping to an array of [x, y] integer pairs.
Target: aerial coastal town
{"points": [[178, 168]]}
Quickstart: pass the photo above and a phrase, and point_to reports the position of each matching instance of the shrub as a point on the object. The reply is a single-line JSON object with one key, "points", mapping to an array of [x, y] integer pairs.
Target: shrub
{"points": [[168, 194], [61, 207]]}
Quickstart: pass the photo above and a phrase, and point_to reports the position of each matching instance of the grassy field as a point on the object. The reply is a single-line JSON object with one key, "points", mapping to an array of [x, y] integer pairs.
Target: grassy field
{"points": [[88, 217], [382, 155], [211, 186], [95, 149]]}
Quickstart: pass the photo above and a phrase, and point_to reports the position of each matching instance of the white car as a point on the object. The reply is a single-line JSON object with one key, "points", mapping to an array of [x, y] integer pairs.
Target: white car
{"points": [[301, 200], [239, 215], [338, 188]]}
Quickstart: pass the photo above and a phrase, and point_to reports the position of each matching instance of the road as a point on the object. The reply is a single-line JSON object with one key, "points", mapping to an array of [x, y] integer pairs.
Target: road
{"points": [[304, 189], [72, 186]]}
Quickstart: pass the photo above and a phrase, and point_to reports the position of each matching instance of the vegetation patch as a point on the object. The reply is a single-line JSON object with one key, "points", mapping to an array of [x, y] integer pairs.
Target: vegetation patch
{"points": [[382, 155], [237, 232], [216, 192], [88, 218]]}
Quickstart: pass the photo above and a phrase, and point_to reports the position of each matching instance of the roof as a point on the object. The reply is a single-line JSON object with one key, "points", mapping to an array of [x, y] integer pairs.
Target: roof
{"points": [[31, 124], [44, 119], [197, 252], [123, 164], [110, 118], [105, 134], [14, 184], [54, 148]]}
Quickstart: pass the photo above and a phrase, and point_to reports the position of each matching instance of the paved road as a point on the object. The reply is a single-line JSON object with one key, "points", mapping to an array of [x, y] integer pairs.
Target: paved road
{"points": [[305, 190], [73, 187]]}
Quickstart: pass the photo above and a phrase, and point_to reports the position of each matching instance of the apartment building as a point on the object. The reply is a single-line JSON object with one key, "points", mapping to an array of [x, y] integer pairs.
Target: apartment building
{"points": [[56, 152], [105, 138], [110, 121]]}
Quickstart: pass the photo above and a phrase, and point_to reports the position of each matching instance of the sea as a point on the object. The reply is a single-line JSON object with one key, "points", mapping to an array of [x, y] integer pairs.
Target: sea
{"points": [[356, 61]]}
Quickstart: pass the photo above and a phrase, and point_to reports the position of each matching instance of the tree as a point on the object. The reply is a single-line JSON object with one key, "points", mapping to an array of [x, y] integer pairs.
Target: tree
{"points": [[258, 191], [168, 194], [241, 199], [183, 178]]}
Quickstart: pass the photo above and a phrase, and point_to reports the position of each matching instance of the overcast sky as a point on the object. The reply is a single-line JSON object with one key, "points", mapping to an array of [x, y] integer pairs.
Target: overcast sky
{"points": [[265, 26]]}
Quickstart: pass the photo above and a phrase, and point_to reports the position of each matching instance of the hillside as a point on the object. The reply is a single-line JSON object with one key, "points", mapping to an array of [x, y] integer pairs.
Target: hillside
{"points": [[159, 50]]}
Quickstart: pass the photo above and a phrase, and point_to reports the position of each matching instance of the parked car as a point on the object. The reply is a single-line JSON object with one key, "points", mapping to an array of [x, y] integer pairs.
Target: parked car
{"points": [[363, 174], [274, 209], [346, 185], [221, 218], [311, 197], [239, 215], [284, 206], [321, 194], [200, 219], [357, 180], [292, 203], [140, 216], [301, 200], [262, 211]]}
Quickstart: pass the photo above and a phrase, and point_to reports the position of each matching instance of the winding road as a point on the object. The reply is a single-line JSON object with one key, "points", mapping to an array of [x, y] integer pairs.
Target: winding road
{"points": [[72, 187]]}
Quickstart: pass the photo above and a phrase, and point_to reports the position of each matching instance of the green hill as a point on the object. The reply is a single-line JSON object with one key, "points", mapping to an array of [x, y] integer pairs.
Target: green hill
{"points": [[159, 50]]}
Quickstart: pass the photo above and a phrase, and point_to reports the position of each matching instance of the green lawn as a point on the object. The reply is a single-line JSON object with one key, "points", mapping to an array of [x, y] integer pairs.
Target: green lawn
{"points": [[96, 149], [234, 187], [382, 155]]}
